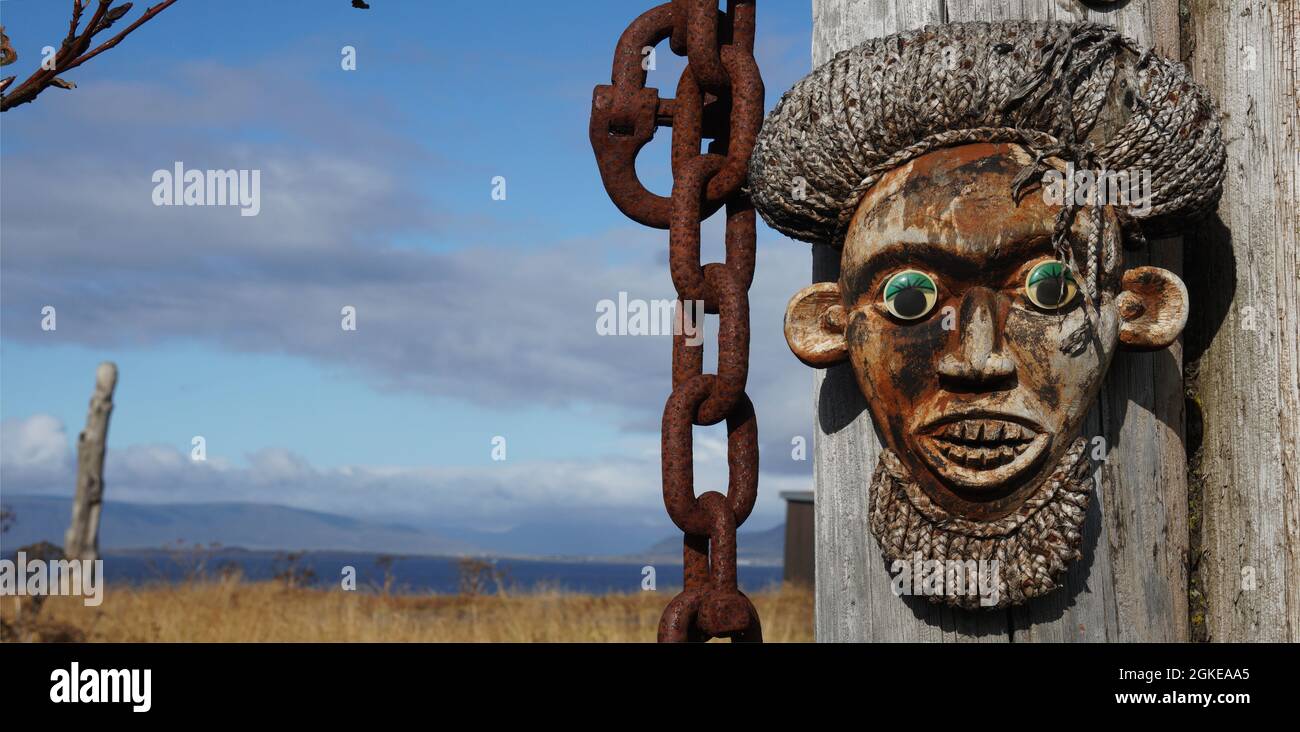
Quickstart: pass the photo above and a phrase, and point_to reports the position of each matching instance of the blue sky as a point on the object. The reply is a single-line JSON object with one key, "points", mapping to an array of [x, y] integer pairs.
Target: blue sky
{"points": [[475, 316]]}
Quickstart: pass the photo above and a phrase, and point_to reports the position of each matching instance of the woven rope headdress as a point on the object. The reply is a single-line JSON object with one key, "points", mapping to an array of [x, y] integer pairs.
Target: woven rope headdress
{"points": [[1077, 91]]}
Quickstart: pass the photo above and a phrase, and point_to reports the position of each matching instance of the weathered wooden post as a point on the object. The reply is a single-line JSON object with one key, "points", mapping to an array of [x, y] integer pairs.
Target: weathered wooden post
{"points": [[82, 539], [1243, 354], [1131, 582]]}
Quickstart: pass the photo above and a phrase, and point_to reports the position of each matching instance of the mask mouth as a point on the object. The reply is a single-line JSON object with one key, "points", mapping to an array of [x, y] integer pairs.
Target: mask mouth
{"points": [[982, 450]]}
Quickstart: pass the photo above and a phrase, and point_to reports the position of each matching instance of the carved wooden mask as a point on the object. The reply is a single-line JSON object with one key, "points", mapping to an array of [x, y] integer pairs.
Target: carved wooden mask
{"points": [[978, 315], [956, 316]]}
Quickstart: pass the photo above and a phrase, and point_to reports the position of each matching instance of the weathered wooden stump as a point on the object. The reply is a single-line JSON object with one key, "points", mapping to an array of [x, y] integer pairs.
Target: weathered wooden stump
{"points": [[82, 539]]}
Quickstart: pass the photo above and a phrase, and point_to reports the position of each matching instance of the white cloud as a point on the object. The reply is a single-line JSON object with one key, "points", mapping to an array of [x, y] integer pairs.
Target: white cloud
{"points": [[34, 451]]}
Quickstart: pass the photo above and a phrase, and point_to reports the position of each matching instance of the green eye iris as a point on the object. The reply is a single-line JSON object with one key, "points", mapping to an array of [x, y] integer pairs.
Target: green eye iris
{"points": [[1050, 285], [910, 294]]}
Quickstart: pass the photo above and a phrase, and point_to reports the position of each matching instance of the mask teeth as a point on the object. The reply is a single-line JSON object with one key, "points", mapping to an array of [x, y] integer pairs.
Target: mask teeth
{"points": [[990, 433], [980, 457]]}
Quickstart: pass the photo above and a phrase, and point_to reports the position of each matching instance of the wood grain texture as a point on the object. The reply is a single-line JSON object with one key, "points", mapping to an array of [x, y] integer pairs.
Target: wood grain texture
{"points": [[1243, 338], [1132, 581]]}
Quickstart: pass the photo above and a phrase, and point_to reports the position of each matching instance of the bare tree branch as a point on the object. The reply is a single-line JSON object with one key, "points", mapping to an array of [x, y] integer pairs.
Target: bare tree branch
{"points": [[74, 50]]}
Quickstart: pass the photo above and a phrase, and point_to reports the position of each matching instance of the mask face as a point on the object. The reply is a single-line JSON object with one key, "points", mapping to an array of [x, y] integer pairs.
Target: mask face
{"points": [[979, 356], [957, 313]]}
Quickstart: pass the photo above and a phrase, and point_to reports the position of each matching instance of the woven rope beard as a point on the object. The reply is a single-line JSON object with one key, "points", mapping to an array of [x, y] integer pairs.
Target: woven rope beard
{"points": [[1031, 547]]}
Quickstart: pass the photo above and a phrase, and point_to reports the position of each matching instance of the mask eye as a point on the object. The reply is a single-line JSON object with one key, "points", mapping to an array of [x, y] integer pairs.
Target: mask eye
{"points": [[1050, 285], [910, 294]]}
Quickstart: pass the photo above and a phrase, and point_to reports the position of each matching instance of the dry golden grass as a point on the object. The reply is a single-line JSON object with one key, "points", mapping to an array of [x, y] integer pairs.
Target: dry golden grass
{"points": [[231, 610]]}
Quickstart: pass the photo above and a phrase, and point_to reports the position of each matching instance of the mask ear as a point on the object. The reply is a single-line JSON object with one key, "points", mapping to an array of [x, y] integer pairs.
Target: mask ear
{"points": [[814, 325], [1152, 308]]}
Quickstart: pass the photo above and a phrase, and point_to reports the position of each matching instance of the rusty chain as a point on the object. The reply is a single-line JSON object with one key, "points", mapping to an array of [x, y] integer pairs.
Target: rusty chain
{"points": [[719, 97]]}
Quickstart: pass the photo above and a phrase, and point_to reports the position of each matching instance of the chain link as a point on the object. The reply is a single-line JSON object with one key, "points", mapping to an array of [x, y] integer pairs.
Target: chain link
{"points": [[720, 98]]}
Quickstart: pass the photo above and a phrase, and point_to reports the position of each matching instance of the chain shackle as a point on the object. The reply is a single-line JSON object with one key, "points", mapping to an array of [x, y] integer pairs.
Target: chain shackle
{"points": [[624, 115]]}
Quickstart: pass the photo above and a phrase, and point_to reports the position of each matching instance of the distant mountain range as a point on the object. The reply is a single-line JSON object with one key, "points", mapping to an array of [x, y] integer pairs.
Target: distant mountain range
{"points": [[245, 525], [270, 527]]}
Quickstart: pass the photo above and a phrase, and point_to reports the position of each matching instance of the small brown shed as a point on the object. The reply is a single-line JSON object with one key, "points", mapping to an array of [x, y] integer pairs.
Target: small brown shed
{"points": [[798, 537]]}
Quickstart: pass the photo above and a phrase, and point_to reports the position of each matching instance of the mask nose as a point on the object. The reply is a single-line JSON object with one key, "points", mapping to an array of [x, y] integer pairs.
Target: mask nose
{"points": [[977, 359]]}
